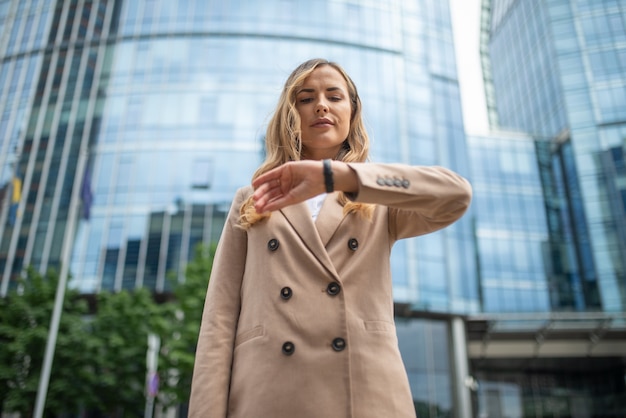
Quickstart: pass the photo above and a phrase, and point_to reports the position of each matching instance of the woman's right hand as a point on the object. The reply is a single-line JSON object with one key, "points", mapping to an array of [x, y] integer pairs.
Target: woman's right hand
{"points": [[297, 181]]}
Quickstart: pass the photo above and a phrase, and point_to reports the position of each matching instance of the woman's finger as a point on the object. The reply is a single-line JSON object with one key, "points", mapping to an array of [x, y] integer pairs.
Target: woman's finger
{"points": [[268, 186], [272, 175]]}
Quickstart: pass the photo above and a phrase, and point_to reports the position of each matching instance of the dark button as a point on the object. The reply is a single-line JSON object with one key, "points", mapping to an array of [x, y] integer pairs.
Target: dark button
{"points": [[380, 181], [389, 181], [405, 183], [288, 348], [397, 182], [353, 244], [273, 244], [285, 293], [339, 344], [333, 289]]}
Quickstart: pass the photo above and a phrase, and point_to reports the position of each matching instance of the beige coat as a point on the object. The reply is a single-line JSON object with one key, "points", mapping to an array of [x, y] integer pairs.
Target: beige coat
{"points": [[299, 321]]}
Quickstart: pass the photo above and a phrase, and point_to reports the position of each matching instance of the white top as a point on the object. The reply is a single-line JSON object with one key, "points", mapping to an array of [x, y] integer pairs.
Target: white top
{"points": [[315, 204]]}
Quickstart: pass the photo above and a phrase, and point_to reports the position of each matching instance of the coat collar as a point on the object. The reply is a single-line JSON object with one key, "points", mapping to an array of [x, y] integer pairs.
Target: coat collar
{"points": [[316, 235]]}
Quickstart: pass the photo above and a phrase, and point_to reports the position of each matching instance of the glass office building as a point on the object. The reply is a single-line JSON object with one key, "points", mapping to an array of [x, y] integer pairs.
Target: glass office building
{"points": [[127, 126], [511, 228], [157, 110], [558, 70], [527, 357], [555, 70]]}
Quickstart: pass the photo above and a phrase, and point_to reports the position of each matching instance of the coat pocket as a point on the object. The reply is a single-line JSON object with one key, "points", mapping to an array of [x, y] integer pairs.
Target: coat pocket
{"points": [[379, 326], [257, 331]]}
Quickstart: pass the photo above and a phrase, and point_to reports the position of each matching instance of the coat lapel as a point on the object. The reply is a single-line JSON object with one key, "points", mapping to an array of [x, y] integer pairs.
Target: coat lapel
{"points": [[299, 217]]}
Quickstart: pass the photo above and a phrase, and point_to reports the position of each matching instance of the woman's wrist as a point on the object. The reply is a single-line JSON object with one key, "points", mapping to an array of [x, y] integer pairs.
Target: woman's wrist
{"points": [[344, 178]]}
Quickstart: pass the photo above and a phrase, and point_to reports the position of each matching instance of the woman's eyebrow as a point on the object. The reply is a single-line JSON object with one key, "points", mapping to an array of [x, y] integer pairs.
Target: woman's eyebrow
{"points": [[309, 90]]}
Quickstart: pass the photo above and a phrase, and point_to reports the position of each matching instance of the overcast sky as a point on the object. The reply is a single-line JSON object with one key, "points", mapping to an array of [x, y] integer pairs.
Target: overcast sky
{"points": [[466, 24]]}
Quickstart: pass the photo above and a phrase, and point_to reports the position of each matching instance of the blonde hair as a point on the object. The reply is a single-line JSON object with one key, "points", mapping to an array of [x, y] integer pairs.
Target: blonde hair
{"points": [[282, 139]]}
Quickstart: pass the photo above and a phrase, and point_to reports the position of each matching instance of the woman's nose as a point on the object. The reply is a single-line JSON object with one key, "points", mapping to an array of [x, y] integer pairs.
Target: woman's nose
{"points": [[321, 107]]}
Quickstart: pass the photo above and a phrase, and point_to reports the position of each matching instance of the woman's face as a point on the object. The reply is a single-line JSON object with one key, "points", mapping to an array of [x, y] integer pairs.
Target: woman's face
{"points": [[324, 107]]}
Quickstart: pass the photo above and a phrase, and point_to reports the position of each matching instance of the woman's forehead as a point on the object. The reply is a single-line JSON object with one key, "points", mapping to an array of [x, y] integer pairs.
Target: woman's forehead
{"points": [[325, 75]]}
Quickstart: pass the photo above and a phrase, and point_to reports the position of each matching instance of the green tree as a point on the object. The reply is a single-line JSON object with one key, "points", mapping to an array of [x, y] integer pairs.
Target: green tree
{"points": [[24, 323], [179, 329], [118, 351], [100, 359]]}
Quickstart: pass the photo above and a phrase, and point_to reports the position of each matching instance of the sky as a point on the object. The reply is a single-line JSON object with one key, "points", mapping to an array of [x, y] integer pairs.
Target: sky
{"points": [[466, 27]]}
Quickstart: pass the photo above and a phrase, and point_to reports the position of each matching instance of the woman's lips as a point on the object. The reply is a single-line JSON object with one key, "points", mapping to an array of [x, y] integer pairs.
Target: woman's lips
{"points": [[322, 123]]}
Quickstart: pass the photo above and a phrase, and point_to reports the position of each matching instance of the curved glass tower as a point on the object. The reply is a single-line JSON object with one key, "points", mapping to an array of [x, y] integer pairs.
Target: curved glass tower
{"points": [[127, 126], [137, 121]]}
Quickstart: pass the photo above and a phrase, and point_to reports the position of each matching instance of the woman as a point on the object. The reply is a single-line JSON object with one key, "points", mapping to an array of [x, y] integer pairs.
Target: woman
{"points": [[298, 320]]}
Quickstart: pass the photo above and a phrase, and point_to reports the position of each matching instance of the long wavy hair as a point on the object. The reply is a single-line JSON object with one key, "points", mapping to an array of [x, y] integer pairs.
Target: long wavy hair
{"points": [[283, 144]]}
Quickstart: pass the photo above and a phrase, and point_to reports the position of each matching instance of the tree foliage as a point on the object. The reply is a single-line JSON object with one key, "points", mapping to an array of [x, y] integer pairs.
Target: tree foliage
{"points": [[100, 358], [119, 332], [180, 334], [24, 322]]}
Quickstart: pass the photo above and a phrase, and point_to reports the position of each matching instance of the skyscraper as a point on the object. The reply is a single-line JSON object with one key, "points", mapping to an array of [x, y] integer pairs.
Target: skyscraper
{"points": [[555, 71], [558, 71], [126, 127]]}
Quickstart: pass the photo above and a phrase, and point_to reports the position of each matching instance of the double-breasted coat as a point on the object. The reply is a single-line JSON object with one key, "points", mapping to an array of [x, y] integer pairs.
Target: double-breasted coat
{"points": [[299, 318]]}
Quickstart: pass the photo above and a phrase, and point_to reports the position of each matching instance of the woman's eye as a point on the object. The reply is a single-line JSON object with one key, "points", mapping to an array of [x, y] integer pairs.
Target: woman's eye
{"points": [[305, 100], [335, 98]]}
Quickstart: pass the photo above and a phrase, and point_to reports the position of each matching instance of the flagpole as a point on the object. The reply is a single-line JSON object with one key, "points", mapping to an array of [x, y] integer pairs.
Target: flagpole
{"points": [[73, 218], [152, 378], [53, 333]]}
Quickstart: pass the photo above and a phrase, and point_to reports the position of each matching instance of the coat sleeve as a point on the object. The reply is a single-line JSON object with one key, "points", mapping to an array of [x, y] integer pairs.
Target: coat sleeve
{"points": [[214, 352], [421, 199]]}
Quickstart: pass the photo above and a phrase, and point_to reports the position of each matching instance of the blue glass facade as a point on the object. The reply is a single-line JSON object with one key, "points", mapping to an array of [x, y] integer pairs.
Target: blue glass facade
{"points": [[554, 70], [511, 226], [527, 358], [167, 104], [558, 71]]}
